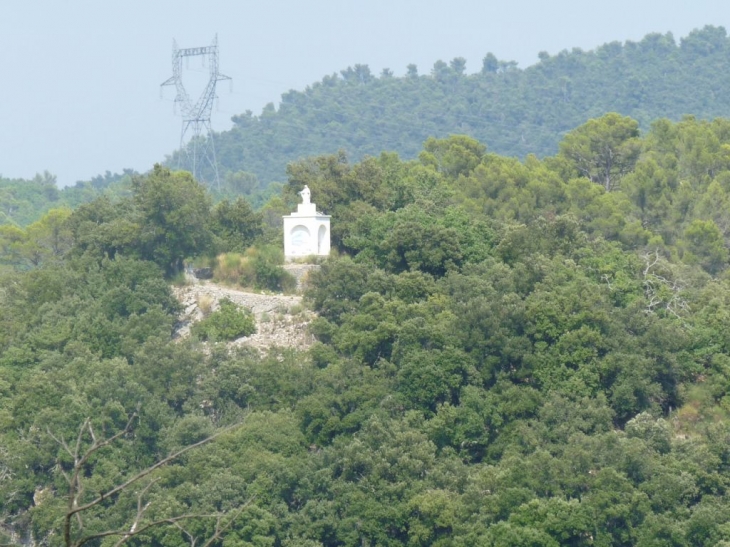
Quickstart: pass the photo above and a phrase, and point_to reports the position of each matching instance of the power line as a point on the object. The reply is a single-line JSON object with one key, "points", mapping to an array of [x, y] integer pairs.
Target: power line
{"points": [[196, 115]]}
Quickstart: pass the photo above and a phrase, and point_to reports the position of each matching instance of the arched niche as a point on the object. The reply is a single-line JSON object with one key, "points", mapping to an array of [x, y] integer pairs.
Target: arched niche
{"points": [[300, 237], [321, 239]]}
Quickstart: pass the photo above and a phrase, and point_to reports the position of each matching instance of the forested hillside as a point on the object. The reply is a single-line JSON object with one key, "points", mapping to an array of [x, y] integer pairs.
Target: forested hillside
{"points": [[514, 112], [509, 353], [23, 202]]}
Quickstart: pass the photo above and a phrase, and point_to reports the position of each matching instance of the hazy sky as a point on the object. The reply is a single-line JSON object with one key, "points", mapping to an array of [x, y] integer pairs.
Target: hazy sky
{"points": [[79, 79]]}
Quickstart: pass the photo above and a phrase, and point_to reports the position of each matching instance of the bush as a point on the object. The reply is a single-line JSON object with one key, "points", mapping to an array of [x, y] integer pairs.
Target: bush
{"points": [[229, 267], [272, 277], [258, 268], [228, 323]]}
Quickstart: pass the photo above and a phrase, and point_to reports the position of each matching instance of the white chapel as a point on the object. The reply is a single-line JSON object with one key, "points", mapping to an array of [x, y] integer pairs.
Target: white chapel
{"points": [[306, 231]]}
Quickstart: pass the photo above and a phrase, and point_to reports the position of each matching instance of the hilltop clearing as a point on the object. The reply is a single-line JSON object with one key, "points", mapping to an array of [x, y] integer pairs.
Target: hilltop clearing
{"points": [[281, 320]]}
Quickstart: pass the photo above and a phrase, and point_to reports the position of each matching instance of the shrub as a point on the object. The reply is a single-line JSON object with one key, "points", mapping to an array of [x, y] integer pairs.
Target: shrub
{"points": [[272, 277], [228, 323], [205, 304], [258, 267], [229, 267]]}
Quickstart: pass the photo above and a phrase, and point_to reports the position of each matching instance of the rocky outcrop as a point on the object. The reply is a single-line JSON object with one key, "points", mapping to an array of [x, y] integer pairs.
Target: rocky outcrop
{"points": [[281, 320]]}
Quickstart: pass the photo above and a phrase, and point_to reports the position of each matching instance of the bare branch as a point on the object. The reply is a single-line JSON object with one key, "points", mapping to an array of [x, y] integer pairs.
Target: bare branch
{"points": [[174, 521], [61, 442], [141, 509], [656, 288], [76, 486], [91, 432], [152, 468], [220, 529], [75, 481], [127, 535], [79, 439], [191, 538], [5, 473], [99, 445], [65, 475]]}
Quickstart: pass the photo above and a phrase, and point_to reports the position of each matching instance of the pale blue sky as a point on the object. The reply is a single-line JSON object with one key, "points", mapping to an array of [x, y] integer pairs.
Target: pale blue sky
{"points": [[79, 79]]}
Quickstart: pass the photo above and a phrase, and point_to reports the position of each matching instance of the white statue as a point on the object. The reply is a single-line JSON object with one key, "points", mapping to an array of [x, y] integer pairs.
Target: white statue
{"points": [[306, 195]]}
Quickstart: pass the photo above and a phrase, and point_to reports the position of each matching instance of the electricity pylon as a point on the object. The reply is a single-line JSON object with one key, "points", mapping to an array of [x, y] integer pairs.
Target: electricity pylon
{"points": [[196, 115]]}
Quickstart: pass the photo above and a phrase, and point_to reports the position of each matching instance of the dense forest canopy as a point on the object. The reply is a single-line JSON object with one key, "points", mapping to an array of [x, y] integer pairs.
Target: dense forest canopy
{"points": [[509, 353], [514, 111]]}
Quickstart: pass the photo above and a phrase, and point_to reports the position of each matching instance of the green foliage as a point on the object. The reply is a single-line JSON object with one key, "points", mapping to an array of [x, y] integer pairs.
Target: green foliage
{"points": [[172, 216], [506, 352], [408, 240], [514, 111], [453, 156], [23, 202], [165, 220], [227, 323], [235, 225], [706, 246], [45, 240], [603, 150], [259, 267], [272, 277]]}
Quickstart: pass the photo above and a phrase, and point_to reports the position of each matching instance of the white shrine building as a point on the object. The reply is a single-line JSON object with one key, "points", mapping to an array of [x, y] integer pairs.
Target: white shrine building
{"points": [[306, 231]]}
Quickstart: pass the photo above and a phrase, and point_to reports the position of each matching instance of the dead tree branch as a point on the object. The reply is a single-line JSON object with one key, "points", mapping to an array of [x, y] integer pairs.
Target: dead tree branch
{"points": [[75, 479], [661, 292], [220, 527]]}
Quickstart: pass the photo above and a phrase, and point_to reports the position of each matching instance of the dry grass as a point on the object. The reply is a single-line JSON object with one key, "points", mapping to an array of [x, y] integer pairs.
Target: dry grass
{"points": [[205, 303], [232, 267], [246, 270]]}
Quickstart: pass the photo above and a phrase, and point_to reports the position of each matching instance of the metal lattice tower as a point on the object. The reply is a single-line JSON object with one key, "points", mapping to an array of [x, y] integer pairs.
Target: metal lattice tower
{"points": [[196, 115]]}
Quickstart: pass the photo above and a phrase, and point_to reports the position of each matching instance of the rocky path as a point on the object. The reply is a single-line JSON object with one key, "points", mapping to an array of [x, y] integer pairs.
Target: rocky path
{"points": [[281, 320]]}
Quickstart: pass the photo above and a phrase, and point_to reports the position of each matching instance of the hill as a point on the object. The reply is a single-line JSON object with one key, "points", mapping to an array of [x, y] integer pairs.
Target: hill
{"points": [[507, 353], [515, 112], [23, 202]]}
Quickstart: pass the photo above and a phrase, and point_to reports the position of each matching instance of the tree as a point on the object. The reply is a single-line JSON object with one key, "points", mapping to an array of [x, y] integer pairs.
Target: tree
{"points": [[603, 149], [441, 71], [236, 225], [46, 240], [240, 182], [458, 65], [173, 211], [490, 64], [515, 111], [360, 74], [706, 246], [49, 238], [453, 156]]}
